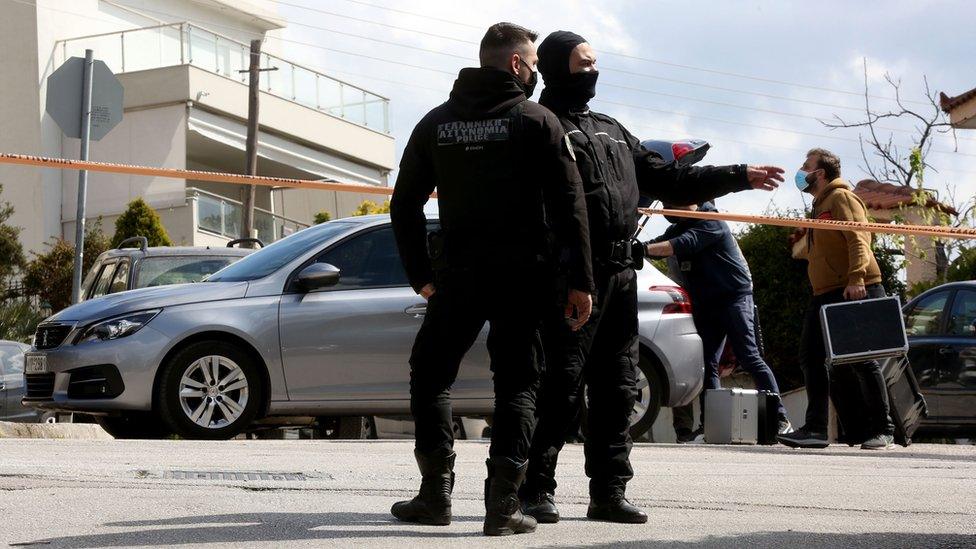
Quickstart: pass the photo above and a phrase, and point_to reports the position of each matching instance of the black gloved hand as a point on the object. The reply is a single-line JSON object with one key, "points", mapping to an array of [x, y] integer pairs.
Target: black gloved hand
{"points": [[638, 251]]}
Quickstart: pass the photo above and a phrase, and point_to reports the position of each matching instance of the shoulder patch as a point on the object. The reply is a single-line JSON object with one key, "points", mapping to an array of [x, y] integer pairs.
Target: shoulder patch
{"points": [[568, 145]]}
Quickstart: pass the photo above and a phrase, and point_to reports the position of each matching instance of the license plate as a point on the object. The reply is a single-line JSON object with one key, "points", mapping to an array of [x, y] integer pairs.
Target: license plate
{"points": [[36, 364]]}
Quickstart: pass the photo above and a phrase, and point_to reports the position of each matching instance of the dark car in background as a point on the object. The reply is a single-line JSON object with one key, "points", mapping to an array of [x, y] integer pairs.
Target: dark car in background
{"points": [[941, 327], [125, 268], [12, 384]]}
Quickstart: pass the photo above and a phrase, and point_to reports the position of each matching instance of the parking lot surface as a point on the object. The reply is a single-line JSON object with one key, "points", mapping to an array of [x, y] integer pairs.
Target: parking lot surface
{"points": [[310, 493]]}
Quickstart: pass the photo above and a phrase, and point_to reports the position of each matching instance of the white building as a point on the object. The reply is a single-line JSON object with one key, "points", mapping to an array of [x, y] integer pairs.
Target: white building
{"points": [[185, 107]]}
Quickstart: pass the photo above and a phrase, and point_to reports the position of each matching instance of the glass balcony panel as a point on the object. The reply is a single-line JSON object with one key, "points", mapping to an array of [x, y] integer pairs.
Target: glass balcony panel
{"points": [[152, 48], [265, 224], [232, 220], [305, 87], [210, 215], [203, 50], [376, 112], [354, 104], [228, 56], [280, 80], [330, 96]]}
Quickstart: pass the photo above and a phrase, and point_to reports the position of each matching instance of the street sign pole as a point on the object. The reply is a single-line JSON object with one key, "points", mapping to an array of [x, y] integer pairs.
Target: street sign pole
{"points": [[86, 112]]}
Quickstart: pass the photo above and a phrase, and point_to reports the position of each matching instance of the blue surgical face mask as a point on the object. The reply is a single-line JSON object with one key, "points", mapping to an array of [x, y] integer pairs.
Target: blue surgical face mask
{"points": [[803, 179]]}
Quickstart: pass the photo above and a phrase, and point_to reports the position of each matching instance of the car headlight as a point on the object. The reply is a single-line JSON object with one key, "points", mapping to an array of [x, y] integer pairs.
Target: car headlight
{"points": [[117, 327]]}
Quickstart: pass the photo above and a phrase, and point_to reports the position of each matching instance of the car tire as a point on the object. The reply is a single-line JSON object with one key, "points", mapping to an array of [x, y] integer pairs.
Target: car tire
{"points": [[197, 404], [650, 394], [134, 425], [357, 428], [458, 428]]}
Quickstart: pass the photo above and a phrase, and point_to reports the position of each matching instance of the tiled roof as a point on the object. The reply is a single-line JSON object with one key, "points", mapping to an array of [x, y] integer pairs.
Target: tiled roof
{"points": [[885, 196], [948, 103]]}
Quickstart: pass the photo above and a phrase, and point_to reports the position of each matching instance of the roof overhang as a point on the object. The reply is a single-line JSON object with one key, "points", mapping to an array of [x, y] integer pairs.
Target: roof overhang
{"points": [[961, 109], [254, 12]]}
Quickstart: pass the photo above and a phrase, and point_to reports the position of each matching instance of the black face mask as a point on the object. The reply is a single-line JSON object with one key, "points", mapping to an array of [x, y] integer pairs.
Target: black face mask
{"points": [[570, 92], [528, 87], [579, 88]]}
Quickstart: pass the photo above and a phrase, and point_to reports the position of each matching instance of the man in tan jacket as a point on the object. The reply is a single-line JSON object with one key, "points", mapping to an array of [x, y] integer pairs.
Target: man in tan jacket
{"points": [[841, 267]]}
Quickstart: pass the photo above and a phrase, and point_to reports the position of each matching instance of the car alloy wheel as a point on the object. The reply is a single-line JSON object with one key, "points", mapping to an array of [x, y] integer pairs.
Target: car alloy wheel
{"points": [[213, 392], [210, 389], [643, 401]]}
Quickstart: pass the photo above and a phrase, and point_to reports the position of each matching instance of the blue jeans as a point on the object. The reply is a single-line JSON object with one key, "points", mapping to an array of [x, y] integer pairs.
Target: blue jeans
{"points": [[736, 321]]}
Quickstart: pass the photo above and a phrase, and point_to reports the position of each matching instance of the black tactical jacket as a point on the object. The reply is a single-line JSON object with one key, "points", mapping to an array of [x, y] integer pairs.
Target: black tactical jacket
{"points": [[616, 170], [506, 183]]}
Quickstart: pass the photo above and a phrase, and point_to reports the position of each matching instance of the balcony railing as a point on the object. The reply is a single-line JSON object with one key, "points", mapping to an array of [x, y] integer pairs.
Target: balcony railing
{"points": [[222, 216], [185, 43]]}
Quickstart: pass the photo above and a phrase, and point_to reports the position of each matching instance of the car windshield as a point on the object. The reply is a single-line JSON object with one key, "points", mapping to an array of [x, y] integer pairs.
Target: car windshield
{"points": [[268, 260], [163, 270]]}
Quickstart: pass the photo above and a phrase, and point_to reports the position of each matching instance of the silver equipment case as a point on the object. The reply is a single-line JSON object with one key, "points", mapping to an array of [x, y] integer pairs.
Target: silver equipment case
{"points": [[731, 416]]}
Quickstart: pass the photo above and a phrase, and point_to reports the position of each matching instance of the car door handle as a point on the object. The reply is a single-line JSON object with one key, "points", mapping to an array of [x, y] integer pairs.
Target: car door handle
{"points": [[945, 351], [416, 311]]}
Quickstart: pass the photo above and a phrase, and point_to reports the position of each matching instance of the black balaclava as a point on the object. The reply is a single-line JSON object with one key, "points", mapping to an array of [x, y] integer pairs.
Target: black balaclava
{"points": [[564, 91]]}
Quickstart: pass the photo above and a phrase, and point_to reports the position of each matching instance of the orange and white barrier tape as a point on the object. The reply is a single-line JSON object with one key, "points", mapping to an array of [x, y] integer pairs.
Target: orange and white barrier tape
{"points": [[106, 167], [830, 224]]}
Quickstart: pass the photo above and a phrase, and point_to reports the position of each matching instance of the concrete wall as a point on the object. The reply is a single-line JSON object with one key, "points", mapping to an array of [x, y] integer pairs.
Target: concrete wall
{"points": [[920, 253], [177, 220], [146, 137], [303, 204], [20, 130]]}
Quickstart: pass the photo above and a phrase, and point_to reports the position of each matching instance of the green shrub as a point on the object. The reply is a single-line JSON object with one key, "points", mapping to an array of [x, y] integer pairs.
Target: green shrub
{"points": [[140, 220], [368, 207], [18, 320], [48, 275], [962, 267], [322, 217], [781, 290], [11, 252]]}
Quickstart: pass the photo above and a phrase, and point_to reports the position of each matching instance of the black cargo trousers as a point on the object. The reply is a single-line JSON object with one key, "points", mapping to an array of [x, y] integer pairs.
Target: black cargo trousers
{"points": [[602, 354], [456, 313]]}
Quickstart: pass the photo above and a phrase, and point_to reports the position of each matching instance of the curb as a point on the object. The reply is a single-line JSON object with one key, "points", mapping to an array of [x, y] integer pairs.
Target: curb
{"points": [[82, 431]]}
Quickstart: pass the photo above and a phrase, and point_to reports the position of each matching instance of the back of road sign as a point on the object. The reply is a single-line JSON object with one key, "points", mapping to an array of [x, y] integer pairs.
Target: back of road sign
{"points": [[64, 94]]}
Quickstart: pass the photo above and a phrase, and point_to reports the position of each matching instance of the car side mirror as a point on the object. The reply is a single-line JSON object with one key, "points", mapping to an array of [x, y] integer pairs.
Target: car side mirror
{"points": [[317, 276]]}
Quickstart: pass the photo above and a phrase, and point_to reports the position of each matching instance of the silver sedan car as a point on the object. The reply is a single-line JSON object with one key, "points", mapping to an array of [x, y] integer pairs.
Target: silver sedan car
{"points": [[318, 324]]}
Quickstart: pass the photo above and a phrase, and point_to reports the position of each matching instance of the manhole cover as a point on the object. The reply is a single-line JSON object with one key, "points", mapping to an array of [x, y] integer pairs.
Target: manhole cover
{"points": [[231, 475]]}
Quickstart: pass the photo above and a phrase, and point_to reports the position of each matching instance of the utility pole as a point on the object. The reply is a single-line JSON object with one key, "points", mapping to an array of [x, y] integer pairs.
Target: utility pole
{"points": [[86, 110], [251, 148]]}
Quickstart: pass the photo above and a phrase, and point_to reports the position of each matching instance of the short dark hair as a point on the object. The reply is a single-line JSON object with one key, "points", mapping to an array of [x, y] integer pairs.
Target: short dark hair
{"points": [[501, 41], [828, 162]]}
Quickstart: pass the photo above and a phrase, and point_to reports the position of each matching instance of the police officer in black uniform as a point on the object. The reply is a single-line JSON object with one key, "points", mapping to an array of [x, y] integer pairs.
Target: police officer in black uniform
{"points": [[603, 354], [507, 189]]}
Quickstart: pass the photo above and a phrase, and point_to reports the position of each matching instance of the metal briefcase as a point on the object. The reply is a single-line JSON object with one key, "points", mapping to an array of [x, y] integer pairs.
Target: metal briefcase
{"points": [[731, 416], [869, 329]]}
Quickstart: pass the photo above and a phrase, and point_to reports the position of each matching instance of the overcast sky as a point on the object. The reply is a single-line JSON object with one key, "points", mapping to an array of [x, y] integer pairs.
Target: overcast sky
{"points": [[784, 41]]}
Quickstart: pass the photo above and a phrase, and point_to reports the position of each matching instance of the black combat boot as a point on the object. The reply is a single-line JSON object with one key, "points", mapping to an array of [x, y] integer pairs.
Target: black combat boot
{"points": [[541, 506], [503, 515], [615, 508], [433, 504]]}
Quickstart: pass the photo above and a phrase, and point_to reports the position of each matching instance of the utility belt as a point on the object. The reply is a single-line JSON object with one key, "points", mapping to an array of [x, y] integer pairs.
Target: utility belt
{"points": [[622, 254]]}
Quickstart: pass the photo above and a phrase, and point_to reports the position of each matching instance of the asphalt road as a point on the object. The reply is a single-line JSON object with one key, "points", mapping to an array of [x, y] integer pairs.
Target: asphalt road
{"points": [[78, 493]]}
